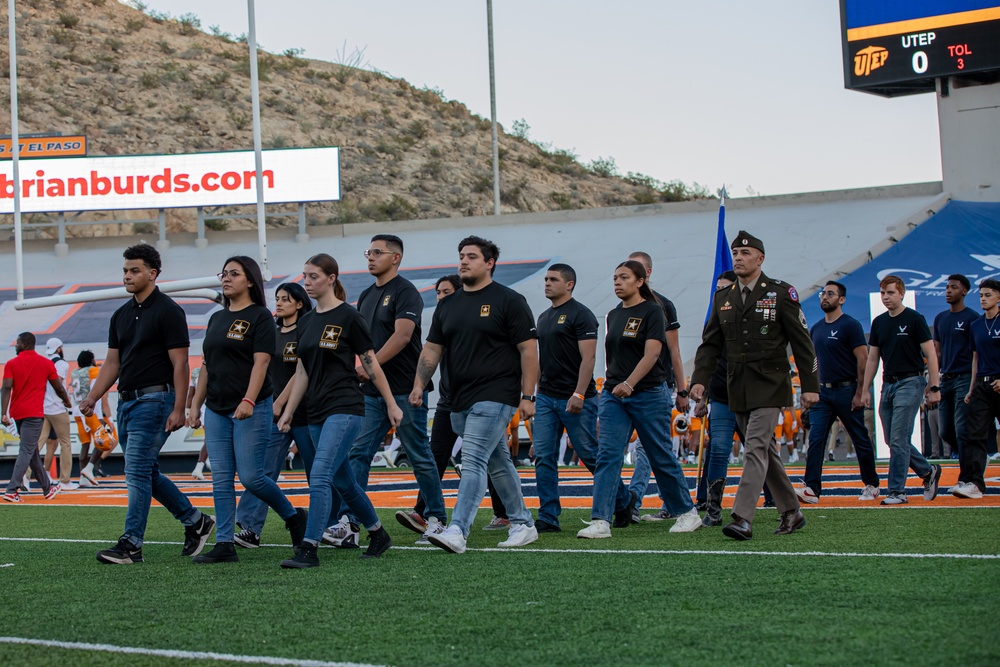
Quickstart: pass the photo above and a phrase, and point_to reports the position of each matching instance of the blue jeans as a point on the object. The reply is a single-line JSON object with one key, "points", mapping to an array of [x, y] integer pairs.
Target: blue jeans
{"points": [[897, 410], [550, 419], [648, 412], [642, 472], [141, 433], [954, 412], [483, 428], [239, 446], [715, 460], [834, 403], [251, 513], [331, 470], [412, 434]]}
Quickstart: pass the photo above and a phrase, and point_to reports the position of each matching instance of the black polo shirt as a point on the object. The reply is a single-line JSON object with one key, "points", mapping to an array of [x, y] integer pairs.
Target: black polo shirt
{"points": [[143, 333]]}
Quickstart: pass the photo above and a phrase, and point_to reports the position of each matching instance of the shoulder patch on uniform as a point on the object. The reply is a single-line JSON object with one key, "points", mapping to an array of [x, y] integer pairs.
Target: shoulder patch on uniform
{"points": [[793, 295], [802, 319]]}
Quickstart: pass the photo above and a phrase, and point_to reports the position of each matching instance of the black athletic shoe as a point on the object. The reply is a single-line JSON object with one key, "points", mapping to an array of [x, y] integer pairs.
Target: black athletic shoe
{"points": [[633, 506], [623, 517], [222, 552], [305, 556], [247, 539], [546, 527], [296, 525], [195, 536], [378, 543], [122, 553]]}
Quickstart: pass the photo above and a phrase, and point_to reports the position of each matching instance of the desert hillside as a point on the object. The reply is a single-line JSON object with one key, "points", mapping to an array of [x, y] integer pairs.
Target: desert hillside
{"points": [[135, 80]]}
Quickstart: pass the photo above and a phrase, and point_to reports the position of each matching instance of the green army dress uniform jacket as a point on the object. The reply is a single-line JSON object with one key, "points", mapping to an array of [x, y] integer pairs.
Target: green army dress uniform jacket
{"points": [[756, 335]]}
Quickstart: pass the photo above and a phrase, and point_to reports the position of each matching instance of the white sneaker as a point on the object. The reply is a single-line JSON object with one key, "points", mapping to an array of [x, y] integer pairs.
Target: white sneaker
{"points": [[87, 474], [87, 483], [597, 529], [450, 539], [341, 535], [852, 455], [794, 458], [26, 483], [197, 474], [687, 523], [520, 535], [807, 495], [870, 493], [70, 486], [434, 527], [966, 490]]}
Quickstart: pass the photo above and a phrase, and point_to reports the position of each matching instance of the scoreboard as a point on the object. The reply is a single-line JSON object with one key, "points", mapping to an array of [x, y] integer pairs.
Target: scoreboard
{"points": [[899, 47]]}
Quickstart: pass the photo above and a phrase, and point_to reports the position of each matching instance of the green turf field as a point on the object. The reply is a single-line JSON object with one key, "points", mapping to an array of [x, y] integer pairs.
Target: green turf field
{"points": [[579, 604]]}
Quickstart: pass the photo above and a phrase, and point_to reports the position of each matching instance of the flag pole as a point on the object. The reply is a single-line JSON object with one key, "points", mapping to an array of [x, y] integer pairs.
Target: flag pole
{"points": [[15, 150]]}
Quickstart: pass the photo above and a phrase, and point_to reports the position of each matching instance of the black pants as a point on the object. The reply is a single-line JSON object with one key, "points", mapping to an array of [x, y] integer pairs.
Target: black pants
{"points": [[442, 442], [984, 407]]}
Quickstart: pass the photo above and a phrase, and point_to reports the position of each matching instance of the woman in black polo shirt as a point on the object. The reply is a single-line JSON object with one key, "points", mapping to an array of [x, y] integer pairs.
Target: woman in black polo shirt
{"points": [[290, 303], [235, 387], [330, 337], [635, 396]]}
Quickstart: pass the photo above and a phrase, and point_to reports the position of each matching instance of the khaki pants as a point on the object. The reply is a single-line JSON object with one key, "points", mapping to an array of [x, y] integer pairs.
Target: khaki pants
{"points": [[59, 424], [762, 463]]}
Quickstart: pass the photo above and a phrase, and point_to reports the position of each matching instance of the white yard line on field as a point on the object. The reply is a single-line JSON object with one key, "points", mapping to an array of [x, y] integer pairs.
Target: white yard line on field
{"points": [[181, 655], [650, 552]]}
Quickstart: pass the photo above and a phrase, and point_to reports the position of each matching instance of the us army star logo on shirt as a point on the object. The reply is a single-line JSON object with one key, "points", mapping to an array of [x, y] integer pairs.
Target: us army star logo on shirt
{"points": [[385, 301], [290, 353], [331, 337], [484, 311], [561, 320], [238, 329], [632, 327]]}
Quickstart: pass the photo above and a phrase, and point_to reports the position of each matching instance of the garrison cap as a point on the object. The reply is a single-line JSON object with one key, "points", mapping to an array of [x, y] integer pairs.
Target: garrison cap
{"points": [[745, 240]]}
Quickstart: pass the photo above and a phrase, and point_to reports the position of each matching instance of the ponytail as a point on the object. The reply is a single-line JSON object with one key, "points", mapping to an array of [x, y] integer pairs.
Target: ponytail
{"points": [[329, 266], [339, 291]]}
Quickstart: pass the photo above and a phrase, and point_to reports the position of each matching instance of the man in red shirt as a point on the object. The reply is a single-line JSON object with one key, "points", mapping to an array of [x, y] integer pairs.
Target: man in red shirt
{"points": [[26, 376]]}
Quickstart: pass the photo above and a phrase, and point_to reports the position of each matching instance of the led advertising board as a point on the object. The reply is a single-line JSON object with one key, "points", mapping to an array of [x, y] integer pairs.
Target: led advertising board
{"points": [[44, 146], [899, 47], [171, 181]]}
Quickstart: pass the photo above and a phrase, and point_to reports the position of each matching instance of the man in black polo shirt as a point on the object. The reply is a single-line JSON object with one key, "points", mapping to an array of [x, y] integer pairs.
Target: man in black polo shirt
{"points": [[567, 397], [392, 308], [148, 356], [902, 340], [489, 333], [984, 397], [842, 355], [953, 341]]}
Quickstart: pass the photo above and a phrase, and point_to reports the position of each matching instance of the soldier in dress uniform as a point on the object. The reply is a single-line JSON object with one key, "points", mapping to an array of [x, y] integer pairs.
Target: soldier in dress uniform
{"points": [[754, 320]]}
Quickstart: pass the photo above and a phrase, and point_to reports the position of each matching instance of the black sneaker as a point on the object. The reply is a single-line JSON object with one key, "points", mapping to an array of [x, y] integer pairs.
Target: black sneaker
{"points": [[305, 556], [122, 553], [247, 539], [296, 525], [546, 527], [195, 536], [222, 552], [634, 504], [931, 482], [623, 516], [378, 543]]}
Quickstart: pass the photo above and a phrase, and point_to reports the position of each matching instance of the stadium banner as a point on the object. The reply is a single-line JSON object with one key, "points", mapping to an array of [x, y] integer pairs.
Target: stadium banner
{"points": [[44, 146], [171, 181]]}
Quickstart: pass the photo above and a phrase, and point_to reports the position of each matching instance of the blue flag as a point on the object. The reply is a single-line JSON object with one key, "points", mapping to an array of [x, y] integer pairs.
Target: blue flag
{"points": [[723, 256]]}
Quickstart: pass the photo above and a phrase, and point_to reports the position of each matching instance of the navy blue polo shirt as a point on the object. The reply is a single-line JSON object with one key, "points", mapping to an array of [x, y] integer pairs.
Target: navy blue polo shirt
{"points": [[952, 331], [835, 344]]}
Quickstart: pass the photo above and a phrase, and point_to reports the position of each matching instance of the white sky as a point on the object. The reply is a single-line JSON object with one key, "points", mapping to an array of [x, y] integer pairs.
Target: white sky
{"points": [[747, 94]]}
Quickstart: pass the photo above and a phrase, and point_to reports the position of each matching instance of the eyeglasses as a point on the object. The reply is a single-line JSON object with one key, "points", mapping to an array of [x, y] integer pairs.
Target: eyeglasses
{"points": [[232, 274], [377, 252], [830, 295]]}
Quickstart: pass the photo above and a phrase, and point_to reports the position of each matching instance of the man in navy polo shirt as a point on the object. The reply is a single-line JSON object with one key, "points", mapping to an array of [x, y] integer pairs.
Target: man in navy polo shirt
{"points": [[984, 396], [842, 355], [953, 342]]}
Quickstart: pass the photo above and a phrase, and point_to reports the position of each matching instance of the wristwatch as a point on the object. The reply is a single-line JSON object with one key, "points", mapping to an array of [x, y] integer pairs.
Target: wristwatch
{"points": [[935, 388], [683, 393], [527, 397]]}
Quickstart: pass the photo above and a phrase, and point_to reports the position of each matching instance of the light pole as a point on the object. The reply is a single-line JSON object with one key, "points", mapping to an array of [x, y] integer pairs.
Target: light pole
{"points": [[493, 112]]}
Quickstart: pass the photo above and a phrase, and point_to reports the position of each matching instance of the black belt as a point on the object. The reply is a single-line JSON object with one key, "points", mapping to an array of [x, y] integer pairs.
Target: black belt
{"points": [[988, 378], [949, 376], [131, 395], [838, 385], [900, 376]]}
